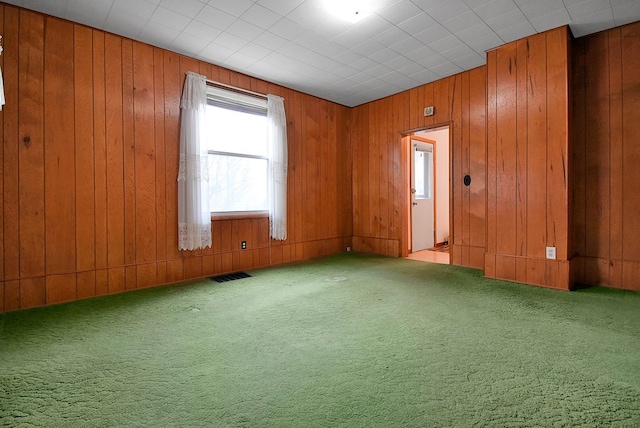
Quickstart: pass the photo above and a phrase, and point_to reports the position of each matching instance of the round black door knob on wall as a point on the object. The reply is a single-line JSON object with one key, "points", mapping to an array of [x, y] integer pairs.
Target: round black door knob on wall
{"points": [[467, 180]]}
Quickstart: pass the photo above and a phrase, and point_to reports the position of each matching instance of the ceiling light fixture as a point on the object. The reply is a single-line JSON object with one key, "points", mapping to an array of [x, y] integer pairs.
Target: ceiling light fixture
{"points": [[350, 10]]}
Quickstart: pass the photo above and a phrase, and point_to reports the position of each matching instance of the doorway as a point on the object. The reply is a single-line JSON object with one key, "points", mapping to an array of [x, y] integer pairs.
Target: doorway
{"points": [[429, 194]]}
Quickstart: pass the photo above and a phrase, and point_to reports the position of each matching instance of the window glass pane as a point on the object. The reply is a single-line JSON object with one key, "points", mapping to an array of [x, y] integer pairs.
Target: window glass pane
{"points": [[419, 173], [236, 132], [237, 183]]}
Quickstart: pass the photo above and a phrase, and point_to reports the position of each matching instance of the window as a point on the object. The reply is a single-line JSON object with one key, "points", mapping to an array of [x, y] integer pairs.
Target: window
{"points": [[423, 174], [236, 130]]}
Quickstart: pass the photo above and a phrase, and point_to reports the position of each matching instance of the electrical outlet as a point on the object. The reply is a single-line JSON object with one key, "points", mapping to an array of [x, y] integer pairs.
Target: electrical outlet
{"points": [[551, 253], [348, 248], [244, 245]]}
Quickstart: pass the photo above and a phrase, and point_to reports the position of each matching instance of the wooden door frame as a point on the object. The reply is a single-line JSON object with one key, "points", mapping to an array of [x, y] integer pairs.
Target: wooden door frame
{"points": [[433, 158], [405, 168]]}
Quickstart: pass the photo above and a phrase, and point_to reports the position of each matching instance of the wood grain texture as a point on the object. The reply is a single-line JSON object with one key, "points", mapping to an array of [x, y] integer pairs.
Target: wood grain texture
{"points": [[60, 144], [380, 164], [31, 145], [90, 206], [10, 169], [606, 70], [528, 159]]}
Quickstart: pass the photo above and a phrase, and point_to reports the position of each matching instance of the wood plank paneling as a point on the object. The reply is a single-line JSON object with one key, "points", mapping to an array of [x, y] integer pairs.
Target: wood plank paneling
{"points": [[10, 147], [31, 146], [100, 214], [380, 165], [100, 151], [630, 137], [527, 153], [60, 192], [84, 152], [606, 69]]}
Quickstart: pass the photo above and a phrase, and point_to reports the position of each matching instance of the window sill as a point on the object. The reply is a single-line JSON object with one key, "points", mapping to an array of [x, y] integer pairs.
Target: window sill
{"points": [[246, 215]]}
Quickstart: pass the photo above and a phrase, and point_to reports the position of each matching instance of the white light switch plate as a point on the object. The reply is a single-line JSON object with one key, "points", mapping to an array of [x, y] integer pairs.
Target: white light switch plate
{"points": [[551, 253]]}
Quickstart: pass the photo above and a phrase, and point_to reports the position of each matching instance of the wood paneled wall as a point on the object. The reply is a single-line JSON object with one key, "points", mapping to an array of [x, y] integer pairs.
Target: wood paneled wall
{"points": [[380, 164], [605, 172], [527, 160], [89, 163]]}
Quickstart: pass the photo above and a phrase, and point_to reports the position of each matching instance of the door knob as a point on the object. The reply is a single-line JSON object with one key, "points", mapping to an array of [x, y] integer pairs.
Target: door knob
{"points": [[415, 203]]}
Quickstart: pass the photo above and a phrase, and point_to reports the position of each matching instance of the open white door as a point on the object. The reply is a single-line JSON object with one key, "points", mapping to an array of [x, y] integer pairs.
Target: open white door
{"points": [[422, 196]]}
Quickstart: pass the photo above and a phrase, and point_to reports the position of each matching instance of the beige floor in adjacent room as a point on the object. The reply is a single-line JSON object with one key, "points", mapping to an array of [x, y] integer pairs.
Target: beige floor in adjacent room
{"points": [[430, 256]]}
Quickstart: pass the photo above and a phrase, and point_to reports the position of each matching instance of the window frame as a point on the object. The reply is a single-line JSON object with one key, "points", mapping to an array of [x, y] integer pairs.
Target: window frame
{"points": [[214, 94]]}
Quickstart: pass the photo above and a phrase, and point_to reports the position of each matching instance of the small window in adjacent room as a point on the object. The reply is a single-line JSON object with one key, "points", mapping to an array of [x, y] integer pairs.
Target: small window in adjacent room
{"points": [[238, 152]]}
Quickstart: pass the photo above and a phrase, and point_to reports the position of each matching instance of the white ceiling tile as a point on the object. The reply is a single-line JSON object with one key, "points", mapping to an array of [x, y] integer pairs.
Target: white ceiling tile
{"points": [[532, 9], [120, 22], [372, 26], [239, 61], [170, 19], [369, 47], [331, 49], [296, 43], [385, 56], [550, 21], [188, 8], [425, 56], [287, 29], [189, 44], [506, 20], [476, 3], [411, 69], [407, 45], [244, 30], [328, 28], [142, 9], [269, 40], [587, 7], [491, 9], [398, 62], [482, 44], [448, 10], [344, 71], [461, 22], [400, 12], [260, 16], [516, 32], [418, 23], [307, 14], [445, 43], [433, 34], [255, 51], [458, 52], [216, 53], [626, 13], [230, 41], [310, 40], [202, 30], [281, 7], [364, 64], [379, 70], [446, 69], [215, 17], [158, 34], [391, 36], [470, 61], [54, 7], [232, 7], [425, 76], [93, 14]]}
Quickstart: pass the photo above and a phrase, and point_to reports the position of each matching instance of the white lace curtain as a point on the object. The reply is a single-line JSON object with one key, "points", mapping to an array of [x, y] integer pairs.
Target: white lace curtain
{"points": [[277, 140], [194, 216]]}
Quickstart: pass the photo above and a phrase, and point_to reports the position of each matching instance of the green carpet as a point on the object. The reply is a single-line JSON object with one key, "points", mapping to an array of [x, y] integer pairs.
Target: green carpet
{"points": [[346, 341]]}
